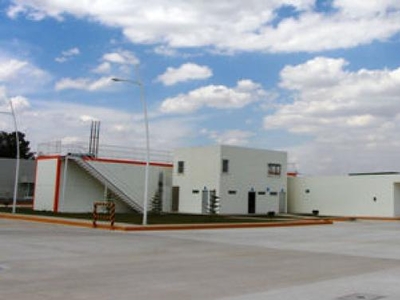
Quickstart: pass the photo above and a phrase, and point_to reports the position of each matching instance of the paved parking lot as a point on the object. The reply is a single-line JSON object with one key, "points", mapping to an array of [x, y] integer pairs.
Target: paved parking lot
{"points": [[347, 261]]}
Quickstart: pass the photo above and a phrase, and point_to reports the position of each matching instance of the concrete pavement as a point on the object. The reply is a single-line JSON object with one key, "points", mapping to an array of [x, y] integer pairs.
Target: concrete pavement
{"points": [[346, 260]]}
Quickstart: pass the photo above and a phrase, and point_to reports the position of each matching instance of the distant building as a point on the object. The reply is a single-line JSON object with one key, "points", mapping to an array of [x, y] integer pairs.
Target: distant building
{"points": [[240, 180], [25, 181], [369, 195]]}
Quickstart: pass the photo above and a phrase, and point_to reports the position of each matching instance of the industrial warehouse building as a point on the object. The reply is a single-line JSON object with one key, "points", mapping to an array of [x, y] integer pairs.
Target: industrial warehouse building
{"points": [[244, 180], [368, 195], [221, 179]]}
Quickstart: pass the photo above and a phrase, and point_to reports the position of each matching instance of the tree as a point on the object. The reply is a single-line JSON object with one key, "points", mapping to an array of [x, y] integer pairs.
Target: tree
{"points": [[8, 145], [156, 201]]}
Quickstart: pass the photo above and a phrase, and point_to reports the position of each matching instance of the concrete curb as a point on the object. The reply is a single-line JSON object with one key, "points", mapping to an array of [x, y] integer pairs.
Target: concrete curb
{"points": [[355, 218], [226, 225], [128, 227], [51, 220]]}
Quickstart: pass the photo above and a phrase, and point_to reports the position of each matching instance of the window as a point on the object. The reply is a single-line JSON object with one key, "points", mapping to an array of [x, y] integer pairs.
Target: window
{"points": [[195, 191], [274, 169], [181, 167], [232, 192], [225, 165]]}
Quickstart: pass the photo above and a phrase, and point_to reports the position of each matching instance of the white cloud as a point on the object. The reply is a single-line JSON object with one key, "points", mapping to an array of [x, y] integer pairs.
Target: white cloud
{"points": [[86, 84], [232, 25], [344, 111], [10, 69], [67, 55], [20, 103], [4, 101], [229, 137], [122, 57], [366, 8], [118, 61], [215, 96], [21, 76], [165, 51], [185, 72], [103, 68], [118, 127], [318, 72]]}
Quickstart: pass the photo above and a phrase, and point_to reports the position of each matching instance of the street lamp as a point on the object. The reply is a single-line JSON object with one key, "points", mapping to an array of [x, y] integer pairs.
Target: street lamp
{"points": [[14, 205], [146, 122]]}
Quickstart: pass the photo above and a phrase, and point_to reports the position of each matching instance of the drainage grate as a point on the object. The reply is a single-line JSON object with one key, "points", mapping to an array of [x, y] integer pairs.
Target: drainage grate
{"points": [[359, 296]]}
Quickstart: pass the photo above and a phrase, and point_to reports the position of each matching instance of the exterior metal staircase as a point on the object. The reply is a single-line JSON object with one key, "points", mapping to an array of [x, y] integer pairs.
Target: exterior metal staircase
{"points": [[108, 182]]}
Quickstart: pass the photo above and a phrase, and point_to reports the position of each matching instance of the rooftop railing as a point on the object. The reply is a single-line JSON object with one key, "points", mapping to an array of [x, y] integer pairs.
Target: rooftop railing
{"points": [[104, 151]]}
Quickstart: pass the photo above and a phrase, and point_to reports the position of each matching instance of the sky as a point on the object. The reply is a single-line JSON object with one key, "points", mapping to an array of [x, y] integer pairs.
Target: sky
{"points": [[317, 79]]}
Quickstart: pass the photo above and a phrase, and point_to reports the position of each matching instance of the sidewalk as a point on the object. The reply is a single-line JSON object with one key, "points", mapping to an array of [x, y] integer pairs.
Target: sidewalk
{"points": [[132, 227]]}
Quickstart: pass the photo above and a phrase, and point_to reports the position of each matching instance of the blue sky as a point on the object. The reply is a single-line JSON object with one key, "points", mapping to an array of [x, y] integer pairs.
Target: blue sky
{"points": [[318, 79]]}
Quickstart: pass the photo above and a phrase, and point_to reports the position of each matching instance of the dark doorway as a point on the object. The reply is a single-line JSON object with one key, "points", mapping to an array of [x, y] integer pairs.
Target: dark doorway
{"points": [[175, 199], [252, 203]]}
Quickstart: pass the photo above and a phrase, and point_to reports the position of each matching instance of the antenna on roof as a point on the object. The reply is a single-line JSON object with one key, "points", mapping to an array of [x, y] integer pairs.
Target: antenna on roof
{"points": [[94, 138]]}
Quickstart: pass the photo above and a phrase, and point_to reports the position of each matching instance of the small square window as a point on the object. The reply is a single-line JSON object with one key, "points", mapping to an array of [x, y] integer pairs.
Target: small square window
{"points": [[274, 169], [181, 167], [225, 165]]}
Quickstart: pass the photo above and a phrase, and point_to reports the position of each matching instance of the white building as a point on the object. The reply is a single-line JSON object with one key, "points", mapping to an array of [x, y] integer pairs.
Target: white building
{"points": [[68, 183], [26, 179], [245, 180], [370, 195]]}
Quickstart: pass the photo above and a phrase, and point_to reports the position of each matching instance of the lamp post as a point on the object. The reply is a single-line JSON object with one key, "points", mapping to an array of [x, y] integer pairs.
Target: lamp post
{"points": [[146, 122], [14, 205]]}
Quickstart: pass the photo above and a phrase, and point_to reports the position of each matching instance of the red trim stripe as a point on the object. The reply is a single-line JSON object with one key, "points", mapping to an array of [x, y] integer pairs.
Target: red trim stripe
{"points": [[131, 162], [34, 186], [58, 182], [110, 160]]}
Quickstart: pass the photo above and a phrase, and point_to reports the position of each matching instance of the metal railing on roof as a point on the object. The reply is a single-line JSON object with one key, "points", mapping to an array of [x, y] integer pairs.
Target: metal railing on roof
{"points": [[104, 151]]}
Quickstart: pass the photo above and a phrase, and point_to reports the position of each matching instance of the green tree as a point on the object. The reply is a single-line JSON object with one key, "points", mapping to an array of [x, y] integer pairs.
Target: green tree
{"points": [[8, 145], [156, 203]]}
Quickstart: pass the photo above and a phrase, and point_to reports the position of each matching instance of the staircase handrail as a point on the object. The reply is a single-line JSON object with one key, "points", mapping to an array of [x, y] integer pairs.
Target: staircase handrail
{"points": [[95, 173]]}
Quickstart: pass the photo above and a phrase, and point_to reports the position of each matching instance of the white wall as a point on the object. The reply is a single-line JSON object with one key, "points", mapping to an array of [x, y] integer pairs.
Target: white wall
{"points": [[78, 189], [396, 198], [45, 184], [248, 169], [81, 189], [202, 170], [130, 178], [343, 195]]}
